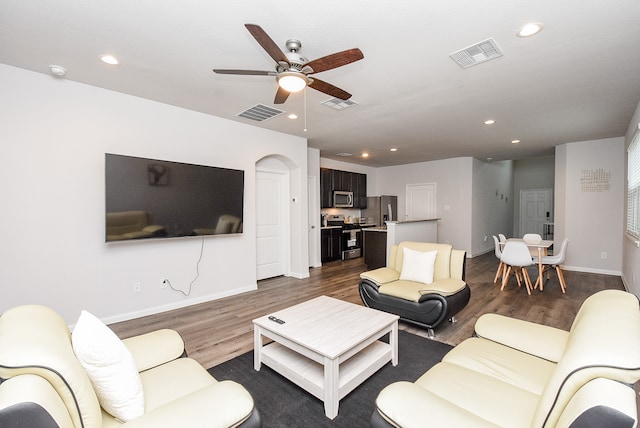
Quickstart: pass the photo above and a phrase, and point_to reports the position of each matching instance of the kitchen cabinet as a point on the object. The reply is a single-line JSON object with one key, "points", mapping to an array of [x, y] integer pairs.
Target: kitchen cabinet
{"points": [[330, 244], [375, 248], [326, 188], [333, 179]]}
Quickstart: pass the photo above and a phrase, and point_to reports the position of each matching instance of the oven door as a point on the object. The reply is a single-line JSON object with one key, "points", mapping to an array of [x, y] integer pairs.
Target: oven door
{"points": [[351, 243]]}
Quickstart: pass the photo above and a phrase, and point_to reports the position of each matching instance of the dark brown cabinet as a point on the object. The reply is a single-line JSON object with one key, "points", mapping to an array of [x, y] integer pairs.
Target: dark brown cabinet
{"points": [[375, 249], [330, 244], [333, 179]]}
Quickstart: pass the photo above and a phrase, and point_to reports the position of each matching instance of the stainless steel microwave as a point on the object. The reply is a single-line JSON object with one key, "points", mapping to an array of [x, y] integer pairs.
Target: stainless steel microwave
{"points": [[342, 199]]}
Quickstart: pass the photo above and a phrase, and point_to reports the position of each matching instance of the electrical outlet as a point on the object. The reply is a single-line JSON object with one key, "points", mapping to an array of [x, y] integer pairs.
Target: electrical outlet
{"points": [[136, 287], [164, 284], [485, 238], [603, 255]]}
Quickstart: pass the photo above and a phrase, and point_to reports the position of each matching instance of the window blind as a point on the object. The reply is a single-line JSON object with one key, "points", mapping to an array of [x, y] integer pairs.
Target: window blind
{"points": [[633, 186]]}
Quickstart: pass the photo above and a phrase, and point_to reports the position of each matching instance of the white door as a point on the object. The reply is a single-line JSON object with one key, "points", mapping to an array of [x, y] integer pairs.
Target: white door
{"points": [[535, 210], [271, 221], [421, 201], [314, 223]]}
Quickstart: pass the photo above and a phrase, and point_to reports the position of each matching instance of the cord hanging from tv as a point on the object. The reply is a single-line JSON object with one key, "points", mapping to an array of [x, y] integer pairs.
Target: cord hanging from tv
{"points": [[155, 199]]}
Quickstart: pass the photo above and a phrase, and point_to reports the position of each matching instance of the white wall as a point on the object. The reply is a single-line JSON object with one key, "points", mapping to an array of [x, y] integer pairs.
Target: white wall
{"points": [[631, 253], [492, 206], [54, 135], [591, 220], [453, 178]]}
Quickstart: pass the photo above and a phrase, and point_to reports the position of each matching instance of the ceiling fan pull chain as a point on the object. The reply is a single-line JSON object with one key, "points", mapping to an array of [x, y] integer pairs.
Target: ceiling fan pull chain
{"points": [[305, 109]]}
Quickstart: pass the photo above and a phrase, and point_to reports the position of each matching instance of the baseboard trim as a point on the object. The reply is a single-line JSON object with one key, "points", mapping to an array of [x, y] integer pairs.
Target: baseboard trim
{"points": [[175, 305], [591, 270]]}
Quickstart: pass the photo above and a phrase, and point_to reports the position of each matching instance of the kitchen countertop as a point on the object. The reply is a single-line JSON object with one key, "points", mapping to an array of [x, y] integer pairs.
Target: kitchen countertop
{"points": [[375, 229], [365, 226], [414, 221]]}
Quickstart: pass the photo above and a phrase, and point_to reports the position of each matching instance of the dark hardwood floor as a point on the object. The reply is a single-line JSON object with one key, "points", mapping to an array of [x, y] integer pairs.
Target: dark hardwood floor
{"points": [[217, 331]]}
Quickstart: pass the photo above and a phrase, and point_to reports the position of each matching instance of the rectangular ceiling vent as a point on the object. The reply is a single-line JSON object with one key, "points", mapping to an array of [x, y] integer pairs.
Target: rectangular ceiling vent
{"points": [[477, 54], [338, 104], [260, 113]]}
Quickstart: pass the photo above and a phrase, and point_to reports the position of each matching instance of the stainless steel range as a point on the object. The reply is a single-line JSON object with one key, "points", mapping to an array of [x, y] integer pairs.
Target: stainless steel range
{"points": [[351, 242]]}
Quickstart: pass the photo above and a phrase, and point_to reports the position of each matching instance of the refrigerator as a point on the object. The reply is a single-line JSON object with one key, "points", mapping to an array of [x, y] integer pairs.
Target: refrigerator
{"points": [[380, 209]]}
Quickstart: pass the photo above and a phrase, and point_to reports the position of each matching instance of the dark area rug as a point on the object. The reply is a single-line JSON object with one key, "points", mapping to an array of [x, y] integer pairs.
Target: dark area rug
{"points": [[283, 404]]}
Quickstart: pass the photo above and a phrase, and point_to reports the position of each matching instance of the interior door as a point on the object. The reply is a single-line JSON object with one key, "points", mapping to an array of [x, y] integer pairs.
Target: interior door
{"points": [[421, 201], [314, 222], [535, 210], [270, 223]]}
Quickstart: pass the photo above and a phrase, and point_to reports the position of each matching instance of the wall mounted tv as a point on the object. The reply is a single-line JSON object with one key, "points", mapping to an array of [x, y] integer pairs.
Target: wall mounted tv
{"points": [[155, 199]]}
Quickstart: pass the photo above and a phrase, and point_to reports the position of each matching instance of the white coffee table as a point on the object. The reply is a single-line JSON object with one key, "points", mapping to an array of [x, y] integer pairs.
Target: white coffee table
{"points": [[326, 346]]}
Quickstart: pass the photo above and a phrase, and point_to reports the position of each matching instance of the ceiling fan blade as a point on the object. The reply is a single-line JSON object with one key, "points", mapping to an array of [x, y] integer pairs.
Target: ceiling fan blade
{"points": [[245, 72], [281, 96], [329, 89], [335, 60], [267, 43]]}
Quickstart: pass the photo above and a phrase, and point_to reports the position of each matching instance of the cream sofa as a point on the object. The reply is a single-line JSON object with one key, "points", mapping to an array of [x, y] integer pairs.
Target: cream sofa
{"points": [[520, 374], [426, 305], [44, 385], [131, 225]]}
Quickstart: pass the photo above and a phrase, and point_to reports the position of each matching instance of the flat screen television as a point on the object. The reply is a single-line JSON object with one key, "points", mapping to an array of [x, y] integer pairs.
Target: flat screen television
{"points": [[156, 199]]}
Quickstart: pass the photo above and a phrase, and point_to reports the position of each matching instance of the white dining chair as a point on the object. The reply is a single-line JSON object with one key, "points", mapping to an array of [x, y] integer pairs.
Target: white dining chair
{"points": [[532, 238], [551, 262], [502, 238], [498, 252], [516, 257]]}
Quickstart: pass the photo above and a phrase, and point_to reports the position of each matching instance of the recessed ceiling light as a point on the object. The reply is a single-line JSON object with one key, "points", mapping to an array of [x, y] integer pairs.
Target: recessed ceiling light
{"points": [[394, 149], [515, 141], [365, 155], [57, 70], [293, 116], [108, 59], [530, 29], [489, 122]]}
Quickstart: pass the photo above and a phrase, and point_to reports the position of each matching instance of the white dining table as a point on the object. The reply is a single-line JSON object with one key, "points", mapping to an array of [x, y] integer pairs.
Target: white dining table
{"points": [[542, 247]]}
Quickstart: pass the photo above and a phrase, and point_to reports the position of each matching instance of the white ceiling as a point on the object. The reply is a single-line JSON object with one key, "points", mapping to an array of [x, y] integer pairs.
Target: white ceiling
{"points": [[578, 80]]}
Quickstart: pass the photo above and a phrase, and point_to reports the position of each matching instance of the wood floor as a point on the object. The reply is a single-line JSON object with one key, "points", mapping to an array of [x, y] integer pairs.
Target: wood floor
{"points": [[220, 330]]}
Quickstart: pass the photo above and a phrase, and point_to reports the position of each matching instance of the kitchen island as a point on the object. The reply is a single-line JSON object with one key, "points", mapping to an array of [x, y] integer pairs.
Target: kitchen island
{"points": [[379, 240]]}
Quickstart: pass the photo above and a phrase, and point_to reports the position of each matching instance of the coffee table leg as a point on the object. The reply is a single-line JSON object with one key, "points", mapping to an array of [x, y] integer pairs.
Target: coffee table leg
{"points": [[331, 394], [393, 341], [257, 347]]}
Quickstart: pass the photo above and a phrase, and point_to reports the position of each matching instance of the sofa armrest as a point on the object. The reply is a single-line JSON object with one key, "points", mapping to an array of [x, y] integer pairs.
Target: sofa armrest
{"points": [[381, 275], [30, 400], [223, 404], [601, 402], [535, 339], [155, 348]]}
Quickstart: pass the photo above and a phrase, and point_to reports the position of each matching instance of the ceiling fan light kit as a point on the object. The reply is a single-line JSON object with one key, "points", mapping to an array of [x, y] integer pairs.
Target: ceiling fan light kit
{"points": [[292, 69], [292, 81]]}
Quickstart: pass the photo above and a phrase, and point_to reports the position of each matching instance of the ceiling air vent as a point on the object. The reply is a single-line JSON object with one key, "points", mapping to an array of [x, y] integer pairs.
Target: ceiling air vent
{"points": [[477, 54], [338, 104], [260, 113]]}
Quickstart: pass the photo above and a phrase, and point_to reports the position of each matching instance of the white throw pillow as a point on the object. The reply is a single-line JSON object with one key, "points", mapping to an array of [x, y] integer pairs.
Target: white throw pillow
{"points": [[110, 367], [418, 265]]}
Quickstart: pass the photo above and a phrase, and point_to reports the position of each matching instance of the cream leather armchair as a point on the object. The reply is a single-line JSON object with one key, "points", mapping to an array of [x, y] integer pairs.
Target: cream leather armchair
{"points": [[426, 305]]}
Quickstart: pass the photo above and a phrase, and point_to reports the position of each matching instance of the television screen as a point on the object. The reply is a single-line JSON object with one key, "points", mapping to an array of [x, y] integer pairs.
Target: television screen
{"points": [[154, 199]]}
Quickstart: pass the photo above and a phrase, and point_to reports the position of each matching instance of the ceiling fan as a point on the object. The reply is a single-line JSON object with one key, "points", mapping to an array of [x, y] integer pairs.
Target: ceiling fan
{"points": [[293, 70]]}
